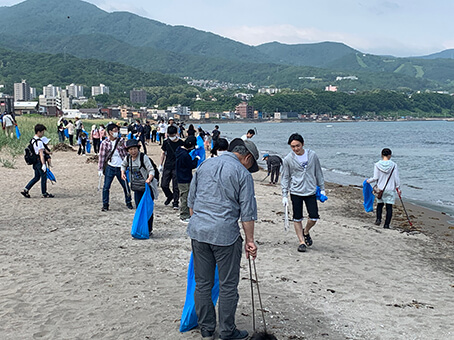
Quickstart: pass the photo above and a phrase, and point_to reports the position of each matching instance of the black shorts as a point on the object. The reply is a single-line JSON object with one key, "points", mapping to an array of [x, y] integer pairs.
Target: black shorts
{"points": [[311, 207]]}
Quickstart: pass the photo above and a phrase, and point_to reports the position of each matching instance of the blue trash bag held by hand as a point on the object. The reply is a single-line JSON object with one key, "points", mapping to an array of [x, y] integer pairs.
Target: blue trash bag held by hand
{"points": [[189, 317], [51, 176], [88, 147], [319, 196], [143, 213], [66, 133], [17, 132], [368, 197]]}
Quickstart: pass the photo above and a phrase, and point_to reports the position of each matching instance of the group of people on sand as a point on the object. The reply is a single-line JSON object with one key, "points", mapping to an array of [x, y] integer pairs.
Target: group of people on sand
{"points": [[214, 197]]}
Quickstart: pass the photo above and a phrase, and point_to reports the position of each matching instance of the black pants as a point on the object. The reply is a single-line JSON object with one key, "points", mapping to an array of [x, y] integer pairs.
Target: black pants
{"points": [[39, 175], [96, 143], [167, 176], [71, 140], [144, 145], [82, 144], [389, 212], [275, 174], [137, 197], [161, 138], [153, 136]]}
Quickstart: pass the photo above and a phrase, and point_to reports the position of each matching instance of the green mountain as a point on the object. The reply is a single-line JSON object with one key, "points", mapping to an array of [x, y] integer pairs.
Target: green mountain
{"points": [[75, 27]]}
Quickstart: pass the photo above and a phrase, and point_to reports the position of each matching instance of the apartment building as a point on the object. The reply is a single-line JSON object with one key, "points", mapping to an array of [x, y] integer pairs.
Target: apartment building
{"points": [[101, 89]]}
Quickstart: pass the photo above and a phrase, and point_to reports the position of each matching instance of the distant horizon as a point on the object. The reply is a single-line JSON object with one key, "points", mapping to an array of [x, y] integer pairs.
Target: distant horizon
{"points": [[378, 27]]}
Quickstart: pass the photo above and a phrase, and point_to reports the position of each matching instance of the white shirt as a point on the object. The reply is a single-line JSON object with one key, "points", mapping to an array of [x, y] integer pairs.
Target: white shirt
{"points": [[302, 159], [37, 145], [116, 160], [162, 128], [8, 120]]}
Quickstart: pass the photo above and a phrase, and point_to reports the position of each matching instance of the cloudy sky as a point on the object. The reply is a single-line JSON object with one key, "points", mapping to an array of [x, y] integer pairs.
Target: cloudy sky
{"points": [[391, 27]]}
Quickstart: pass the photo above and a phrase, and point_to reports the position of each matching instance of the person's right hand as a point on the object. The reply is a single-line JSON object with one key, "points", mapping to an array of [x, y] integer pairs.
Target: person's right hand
{"points": [[160, 168], [284, 201], [123, 176], [44, 168], [100, 173]]}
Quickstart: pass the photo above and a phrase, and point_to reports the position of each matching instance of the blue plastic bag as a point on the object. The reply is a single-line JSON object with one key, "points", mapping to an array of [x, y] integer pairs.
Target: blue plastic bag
{"points": [[199, 151], [17, 132], [143, 213], [319, 196], [369, 197], [157, 137], [66, 133], [189, 317], [50, 176], [88, 147]]}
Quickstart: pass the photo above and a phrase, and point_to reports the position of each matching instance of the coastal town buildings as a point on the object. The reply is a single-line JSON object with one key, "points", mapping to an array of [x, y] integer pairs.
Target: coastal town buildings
{"points": [[245, 110], [101, 89], [138, 96], [22, 91]]}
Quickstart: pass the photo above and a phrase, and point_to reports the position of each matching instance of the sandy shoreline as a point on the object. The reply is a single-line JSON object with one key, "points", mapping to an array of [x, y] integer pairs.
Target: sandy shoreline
{"points": [[69, 271]]}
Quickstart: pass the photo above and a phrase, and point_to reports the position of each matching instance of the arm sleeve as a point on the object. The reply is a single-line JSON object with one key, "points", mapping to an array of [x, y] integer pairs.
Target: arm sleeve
{"points": [[192, 191], [285, 180], [319, 174], [124, 165], [396, 177], [148, 165], [248, 204], [376, 175]]}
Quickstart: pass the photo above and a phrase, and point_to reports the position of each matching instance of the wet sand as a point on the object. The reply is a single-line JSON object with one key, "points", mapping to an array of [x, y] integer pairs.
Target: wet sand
{"points": [[70, 271]]}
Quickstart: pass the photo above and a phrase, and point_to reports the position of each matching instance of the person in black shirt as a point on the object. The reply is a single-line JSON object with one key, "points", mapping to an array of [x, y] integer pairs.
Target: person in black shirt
{"points": [[169, 147]]}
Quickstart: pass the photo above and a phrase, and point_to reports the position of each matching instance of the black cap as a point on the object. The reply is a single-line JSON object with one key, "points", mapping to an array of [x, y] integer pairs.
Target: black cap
{"points": [[190, 142], [250, 146], [130, 143]]}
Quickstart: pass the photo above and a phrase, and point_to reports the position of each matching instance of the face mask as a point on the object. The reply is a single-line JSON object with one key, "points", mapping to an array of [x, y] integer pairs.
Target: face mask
{"points": [[173, 138], [114, 134]]}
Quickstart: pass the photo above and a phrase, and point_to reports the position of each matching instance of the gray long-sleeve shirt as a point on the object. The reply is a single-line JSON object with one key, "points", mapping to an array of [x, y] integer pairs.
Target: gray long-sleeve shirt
{"points": [[221, 192], [299, 180]]}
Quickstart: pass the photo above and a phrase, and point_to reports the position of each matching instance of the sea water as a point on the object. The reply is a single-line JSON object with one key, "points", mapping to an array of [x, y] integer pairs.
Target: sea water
{"points": [[423, 151]]}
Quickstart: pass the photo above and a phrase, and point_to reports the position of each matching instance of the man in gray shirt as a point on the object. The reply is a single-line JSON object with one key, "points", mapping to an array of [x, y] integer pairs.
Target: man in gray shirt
{"points": [[221, 192]]}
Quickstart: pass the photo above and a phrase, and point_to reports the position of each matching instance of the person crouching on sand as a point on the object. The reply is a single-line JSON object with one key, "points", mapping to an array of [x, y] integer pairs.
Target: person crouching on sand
{"points": [[301, 175]]}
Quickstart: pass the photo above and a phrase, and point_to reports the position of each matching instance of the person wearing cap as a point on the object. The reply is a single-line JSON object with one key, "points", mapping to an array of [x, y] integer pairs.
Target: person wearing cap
{"points": [[169, 148], [8, 124], [221, 193], [301, 175], [184, 164], [273, 163], [250, 133], [111, 154], [162, 130], [141, 173]]}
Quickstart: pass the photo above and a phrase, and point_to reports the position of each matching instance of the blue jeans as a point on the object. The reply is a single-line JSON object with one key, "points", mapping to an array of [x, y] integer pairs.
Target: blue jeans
{"points": [[39, 174], [228, 259], [109, 176]]}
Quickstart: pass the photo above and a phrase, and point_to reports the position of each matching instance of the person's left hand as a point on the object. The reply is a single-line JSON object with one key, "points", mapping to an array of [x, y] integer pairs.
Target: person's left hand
{"points": [[250, 249], [323, 193]]}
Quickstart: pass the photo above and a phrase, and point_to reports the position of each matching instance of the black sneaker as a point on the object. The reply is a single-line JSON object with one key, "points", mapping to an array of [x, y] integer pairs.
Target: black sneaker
{"points": [[47, 195], [237, 335], [25, 193], [386, 226], [302, 248], [129, 205], [168, 200], [105, 208], [207, 335], [377, 222]]}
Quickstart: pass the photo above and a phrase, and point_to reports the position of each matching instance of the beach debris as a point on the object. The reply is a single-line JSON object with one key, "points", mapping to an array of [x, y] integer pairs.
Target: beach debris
{"points": [[62, 147], [92, 159], [412, 304], [331, 290]]}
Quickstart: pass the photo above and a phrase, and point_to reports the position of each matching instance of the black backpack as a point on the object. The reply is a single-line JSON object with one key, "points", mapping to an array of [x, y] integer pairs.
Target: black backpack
{"points": [[30, 156], [142, 165]]}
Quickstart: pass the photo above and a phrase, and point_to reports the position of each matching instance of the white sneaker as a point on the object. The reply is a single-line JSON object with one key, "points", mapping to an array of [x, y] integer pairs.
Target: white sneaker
{"points": [[186, 221]]}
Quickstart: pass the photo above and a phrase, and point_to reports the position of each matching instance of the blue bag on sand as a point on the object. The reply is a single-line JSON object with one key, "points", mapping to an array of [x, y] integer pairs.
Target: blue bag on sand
{"points": [[88, 147], [319, 196], [50, 176], [369, 197], [143, 213], [66, 133], [189, 316], [17, 132]]}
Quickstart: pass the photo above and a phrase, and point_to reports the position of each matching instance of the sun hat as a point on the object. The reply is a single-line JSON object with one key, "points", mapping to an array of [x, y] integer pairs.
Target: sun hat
{"points": [[130, 143]]}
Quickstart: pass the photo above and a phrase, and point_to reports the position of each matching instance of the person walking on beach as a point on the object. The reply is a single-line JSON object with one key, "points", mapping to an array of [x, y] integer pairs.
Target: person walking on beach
{"points": [[39, 166], [141, 173], [162, 130], [386, 175], [169, 147], [8, 125], [154, 132], [301, 175], [82, 141], [95, 138], [183, 167], [111, 155], [215, 233], [140, 133], [273, 163], [79, 127], [70, 127]]}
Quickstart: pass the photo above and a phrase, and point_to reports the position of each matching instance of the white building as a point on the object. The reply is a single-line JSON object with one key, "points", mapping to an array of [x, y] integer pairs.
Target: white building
{"points": [[33, 93], [21, 91], [101, 89], [51, 90], [76, 91], [47, 101], [64, 101]]}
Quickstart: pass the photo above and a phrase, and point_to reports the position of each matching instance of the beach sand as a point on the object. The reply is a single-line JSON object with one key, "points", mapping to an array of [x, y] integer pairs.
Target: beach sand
{"points": [[70, 271]]}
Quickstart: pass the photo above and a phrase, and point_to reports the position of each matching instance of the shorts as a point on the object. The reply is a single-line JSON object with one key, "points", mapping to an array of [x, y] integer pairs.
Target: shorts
{"points": [[311, 207]]}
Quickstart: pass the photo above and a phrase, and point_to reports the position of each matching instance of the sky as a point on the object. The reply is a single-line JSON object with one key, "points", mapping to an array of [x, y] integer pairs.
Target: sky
{"points": [[386, 27]]}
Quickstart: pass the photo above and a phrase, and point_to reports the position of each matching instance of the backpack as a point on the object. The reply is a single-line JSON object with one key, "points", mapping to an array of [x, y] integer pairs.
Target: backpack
{"points": [[142, 164], [30, 155]]}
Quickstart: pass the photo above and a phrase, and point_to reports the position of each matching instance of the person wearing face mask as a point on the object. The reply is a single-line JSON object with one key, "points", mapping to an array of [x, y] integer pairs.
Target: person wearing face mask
{"points": [[111, 154], [169, 147]]}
